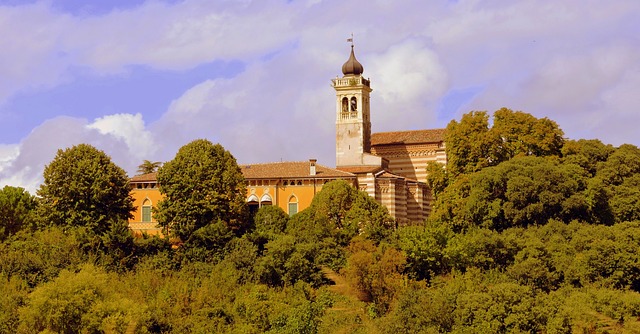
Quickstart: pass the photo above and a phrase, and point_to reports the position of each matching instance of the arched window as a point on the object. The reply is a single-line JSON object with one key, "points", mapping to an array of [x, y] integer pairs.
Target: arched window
{"points": [[146, 211], [345, 104], [253, 203], [266, 200], [354, 104], [293, 205], [252, 199]]}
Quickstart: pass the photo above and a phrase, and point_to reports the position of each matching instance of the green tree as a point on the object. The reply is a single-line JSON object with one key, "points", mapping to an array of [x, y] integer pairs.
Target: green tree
{"points": [[519, 192], [270, 221], [148, 166], [13, 293], [376, 272], [83, 302], [437, 177], [342, 211], [470, 146], [424, 248], [202, 185], [588, 154], [83, 188], [620, 180], [523, 134], [39, 256], [473, 145], [625, 202], [286, 261], [621, 164], [16, 210]]}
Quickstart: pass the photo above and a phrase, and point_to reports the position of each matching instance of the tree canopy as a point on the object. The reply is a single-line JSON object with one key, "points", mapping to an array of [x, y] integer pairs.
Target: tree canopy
{"points": [[16, 210], [202, 185], [522, 172], [473, 145], [341, 211], [148, 166], [519, 192], [83, 187]]}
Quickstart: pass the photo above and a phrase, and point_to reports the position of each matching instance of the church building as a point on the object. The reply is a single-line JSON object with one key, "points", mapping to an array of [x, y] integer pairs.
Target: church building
{"points": [[389, 166]]}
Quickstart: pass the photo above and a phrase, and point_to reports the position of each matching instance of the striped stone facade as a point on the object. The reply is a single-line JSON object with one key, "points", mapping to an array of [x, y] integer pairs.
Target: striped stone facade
{"points": [[408, 152], [390, 166]]}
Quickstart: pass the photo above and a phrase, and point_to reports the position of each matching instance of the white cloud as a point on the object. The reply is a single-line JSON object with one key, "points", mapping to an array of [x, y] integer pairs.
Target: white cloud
{"points": [[8, 153], [407, 76], [23, 164], [130, 129]]}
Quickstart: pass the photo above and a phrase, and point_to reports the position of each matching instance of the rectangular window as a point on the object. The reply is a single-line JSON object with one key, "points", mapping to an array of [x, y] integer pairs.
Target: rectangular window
{"points": [[146, 214], [293, 209]]}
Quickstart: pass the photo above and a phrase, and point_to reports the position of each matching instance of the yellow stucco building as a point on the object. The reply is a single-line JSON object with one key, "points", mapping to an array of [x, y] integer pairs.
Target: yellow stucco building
{"points": [[289, 185], [390, 166], [146, 195]]}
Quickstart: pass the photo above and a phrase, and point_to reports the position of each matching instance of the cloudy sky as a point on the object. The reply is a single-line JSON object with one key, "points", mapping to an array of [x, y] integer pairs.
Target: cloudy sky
{"points": [[138, 79]]}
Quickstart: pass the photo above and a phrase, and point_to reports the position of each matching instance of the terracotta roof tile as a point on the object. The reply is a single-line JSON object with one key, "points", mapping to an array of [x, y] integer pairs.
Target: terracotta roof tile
{"points": [[387, 174], [407, 137], [151, 177], [271, 170], [360, 169], [299, 169]]}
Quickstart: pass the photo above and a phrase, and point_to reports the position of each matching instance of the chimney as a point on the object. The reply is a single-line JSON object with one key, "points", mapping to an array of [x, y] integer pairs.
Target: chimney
{"points": [[312, 167]]}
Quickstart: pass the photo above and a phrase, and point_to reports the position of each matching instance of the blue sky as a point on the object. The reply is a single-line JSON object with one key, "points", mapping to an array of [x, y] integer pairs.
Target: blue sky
{"points": [[138, 79]]}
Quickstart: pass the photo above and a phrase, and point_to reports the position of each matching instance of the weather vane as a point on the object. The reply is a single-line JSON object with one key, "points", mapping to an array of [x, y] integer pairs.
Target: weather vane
{"points": [[350, 40]]}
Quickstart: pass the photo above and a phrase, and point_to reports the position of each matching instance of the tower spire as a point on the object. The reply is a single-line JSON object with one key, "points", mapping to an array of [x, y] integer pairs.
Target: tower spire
{"points": [[352, 66], [353, 122]]}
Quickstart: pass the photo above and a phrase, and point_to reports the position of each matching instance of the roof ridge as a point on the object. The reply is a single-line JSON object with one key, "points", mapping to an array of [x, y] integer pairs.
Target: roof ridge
{"points": [[409, 130], [284, 162], [274, 162]]}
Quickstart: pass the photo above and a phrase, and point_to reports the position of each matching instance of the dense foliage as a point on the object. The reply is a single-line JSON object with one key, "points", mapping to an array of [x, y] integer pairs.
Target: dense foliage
{"points": [[530, 233], [582, 180], [16, 210], [203, 186], [83, 187], [473, 145]]}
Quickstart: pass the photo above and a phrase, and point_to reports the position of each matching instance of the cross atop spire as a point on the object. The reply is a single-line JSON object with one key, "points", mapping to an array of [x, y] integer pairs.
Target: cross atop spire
{"points": [[350, 40]]}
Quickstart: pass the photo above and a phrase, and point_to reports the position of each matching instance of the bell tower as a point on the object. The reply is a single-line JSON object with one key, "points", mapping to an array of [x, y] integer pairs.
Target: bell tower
{"points": [[353, 121]]}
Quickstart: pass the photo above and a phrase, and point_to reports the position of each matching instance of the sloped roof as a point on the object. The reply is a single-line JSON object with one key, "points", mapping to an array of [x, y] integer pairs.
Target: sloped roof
{"points": [[273, 170], [388, 174], [151, 177], [408, 137], [297, 169], [360, 169]]}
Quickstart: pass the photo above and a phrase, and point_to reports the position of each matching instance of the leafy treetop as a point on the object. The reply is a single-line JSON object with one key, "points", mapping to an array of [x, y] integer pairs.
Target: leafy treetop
{"points": [[16, 210], [83, 187], [202, 185], [148, 166]]}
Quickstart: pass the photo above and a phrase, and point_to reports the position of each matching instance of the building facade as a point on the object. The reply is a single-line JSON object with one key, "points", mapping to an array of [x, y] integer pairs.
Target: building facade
{"points": [[146, 195], [390, 167], [289, 185]]}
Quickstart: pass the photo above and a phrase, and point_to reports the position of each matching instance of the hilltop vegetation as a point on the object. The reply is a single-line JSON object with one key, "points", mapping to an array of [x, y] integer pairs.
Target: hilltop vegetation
{"points": [[530, 232]]}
